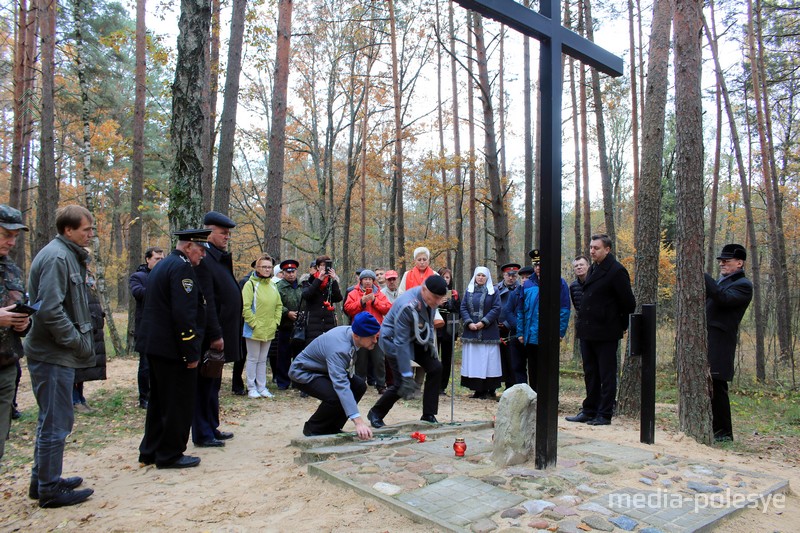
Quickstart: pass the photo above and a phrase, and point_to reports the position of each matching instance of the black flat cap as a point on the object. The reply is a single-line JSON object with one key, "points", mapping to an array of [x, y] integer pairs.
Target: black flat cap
{"points": [[733, 251], [213, 218], [436, 284]]}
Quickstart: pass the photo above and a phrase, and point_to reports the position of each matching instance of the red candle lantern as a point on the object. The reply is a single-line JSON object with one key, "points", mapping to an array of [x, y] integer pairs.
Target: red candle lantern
{"points": [[460, 447]]}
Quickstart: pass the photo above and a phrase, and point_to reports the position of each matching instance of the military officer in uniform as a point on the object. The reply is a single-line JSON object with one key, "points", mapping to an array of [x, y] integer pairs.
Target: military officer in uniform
{"points": [[509, 345], [172, 328], [407, 335], [325, 369]]}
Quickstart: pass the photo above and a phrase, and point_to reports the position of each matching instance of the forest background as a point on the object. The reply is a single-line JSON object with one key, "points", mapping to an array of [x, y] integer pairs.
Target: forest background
{"points": [[365, 129]]}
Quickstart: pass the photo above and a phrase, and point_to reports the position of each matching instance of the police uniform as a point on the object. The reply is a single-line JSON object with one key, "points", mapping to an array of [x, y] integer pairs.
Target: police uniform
{"points": [[407, 334], [172, 328]]}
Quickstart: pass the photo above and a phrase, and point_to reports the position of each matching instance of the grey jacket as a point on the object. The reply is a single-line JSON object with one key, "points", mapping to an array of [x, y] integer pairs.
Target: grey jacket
{"points": [[61, 333], [409, 321], [332, 354]]}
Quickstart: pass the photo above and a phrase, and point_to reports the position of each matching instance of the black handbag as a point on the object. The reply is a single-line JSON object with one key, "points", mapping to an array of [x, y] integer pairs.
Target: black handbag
{"points": [[213, 361]]}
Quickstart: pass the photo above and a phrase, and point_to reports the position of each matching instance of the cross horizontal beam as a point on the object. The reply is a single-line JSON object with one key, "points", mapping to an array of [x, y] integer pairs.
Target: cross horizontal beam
{"points": [[529, 22]]}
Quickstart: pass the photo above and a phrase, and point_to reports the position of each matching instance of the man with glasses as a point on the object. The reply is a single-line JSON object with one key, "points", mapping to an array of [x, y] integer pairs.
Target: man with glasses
{"points": [[727, 300]]}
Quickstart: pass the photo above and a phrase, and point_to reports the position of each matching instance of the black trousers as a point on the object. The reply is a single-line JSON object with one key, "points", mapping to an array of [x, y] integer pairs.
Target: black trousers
{"points": [[237, 384], [329, 418], [721, 411], [525, 356], [446, 357], [169, 411], [430, 393], [143, 378], [287, 350], [206, 409], [600, 376], [506, 360]]}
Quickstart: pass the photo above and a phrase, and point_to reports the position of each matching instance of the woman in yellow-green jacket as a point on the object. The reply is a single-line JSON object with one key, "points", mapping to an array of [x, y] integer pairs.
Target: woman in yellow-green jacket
{"points": [[262, 312]]}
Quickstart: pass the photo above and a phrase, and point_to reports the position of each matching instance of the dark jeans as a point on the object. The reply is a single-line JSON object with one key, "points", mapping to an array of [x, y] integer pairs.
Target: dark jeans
{"points": [[143, 378], [721, 411], [600, 376], [7, 377], [525, 356], [329, 418], [430, 394], [169, 411], [77, 393], [52, 386], [206, 409], [287, 350]]}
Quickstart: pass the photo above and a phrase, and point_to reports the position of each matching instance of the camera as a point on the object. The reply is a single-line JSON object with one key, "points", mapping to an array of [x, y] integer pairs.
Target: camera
{"points": [[328, 265]]}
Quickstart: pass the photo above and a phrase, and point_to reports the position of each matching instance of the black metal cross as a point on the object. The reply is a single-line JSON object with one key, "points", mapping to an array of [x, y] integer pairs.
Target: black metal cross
{"points": [[545, 26]]}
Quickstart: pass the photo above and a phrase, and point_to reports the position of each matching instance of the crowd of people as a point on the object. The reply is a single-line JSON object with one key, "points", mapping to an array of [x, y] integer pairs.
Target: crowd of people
{"points": [[193, 316]]}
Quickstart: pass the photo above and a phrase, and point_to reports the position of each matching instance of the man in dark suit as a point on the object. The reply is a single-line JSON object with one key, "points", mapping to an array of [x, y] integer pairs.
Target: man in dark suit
{"points": [[172, 325], [601, 320], [223, 326], [726, 301]]}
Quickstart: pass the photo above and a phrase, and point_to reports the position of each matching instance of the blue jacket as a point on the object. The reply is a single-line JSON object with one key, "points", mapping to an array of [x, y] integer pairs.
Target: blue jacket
{"points": [[528, 311]]}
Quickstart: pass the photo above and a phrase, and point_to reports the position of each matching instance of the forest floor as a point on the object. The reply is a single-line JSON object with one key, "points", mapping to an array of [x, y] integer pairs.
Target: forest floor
{"points": [[254, 482]]}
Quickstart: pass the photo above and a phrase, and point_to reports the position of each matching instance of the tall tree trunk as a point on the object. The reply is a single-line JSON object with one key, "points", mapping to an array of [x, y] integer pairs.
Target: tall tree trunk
{"points": [[371, 57], [712, 222], [501, 112], [473, 205], [576, 136], [647, 235], [634, 113], [528, 139], [694, 408], [777, 240], [497, 200], [15, 185], [227, 127], [188, 119], [31, 53], [210, 102], [398, 141], [753, 252], [137, 164], [48, 181], [605, 174], [442, 153], [458, 266]]}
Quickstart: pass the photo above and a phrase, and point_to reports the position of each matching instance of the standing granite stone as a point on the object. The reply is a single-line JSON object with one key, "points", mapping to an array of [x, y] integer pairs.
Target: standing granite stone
{"points": [[515, 426]]}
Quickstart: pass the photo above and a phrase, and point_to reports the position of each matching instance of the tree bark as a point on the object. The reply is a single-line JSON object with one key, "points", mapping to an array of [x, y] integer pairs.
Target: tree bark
{"points": [[230, 104], [458, 266], [188, 119], [694, 408], [15, 185], [634, 113], [472, 204], [398, 140]]}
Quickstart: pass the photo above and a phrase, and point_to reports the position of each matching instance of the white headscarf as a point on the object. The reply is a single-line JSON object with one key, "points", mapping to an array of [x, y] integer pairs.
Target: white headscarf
{"points": [[489, 284]]}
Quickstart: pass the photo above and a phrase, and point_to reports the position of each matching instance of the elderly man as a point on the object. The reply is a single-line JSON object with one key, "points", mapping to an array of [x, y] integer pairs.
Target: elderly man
{"points": [[13, 323], [291, 296], [392, 289], [325, 369], [407, 334], [172, 331], [727, 300], [60, 340], [606, 303], [223, 326], [507, 322]]}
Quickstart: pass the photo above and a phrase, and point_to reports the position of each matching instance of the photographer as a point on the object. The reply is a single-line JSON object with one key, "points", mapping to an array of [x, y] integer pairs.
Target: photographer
{"points": [[320, 292]]}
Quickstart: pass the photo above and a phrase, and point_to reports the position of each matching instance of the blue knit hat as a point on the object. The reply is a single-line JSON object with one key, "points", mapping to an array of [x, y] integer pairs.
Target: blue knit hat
{"points": [[365, 325]]}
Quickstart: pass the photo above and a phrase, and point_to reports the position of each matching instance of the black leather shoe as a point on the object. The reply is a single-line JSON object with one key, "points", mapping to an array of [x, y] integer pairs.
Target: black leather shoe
{"points": [[240, 392], [580, 417], [186, 461], [210, 443], [15, 414], [599, 421], [69, 482], [146, 460], [224, 435], [63, 496], [429, 418], [376, 421]]}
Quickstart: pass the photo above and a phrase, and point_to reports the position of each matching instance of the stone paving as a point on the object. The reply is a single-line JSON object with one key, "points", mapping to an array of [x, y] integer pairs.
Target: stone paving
{"points": [[596, 486]]}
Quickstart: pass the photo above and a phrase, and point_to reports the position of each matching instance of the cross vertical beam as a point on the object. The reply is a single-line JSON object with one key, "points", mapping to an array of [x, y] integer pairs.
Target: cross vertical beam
{"points": [[545, 26]]}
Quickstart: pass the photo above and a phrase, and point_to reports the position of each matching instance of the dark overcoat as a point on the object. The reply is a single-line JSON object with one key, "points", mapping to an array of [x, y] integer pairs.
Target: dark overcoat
{"points": [[223, 301], [726, 303], [98, 371], [606, 303], [319, 319]]}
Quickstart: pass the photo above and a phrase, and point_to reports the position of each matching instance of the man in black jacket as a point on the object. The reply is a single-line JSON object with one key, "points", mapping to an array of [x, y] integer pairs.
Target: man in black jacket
{"points": [[727, 300], [602, 319], [137, 284], [172, 329], [223, 326]]}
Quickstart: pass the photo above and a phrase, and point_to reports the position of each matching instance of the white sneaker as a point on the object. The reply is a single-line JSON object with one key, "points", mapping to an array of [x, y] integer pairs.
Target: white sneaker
{"points": [[266, 393], [253, 394]]}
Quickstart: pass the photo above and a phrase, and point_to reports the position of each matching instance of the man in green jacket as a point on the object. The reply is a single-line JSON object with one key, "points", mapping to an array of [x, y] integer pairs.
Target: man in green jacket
{"points": [[60, 340], [291, 295]]}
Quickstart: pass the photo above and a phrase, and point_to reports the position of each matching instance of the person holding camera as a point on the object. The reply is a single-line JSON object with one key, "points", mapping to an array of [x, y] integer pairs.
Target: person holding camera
{"points": [[320, 292], [366, 296]]}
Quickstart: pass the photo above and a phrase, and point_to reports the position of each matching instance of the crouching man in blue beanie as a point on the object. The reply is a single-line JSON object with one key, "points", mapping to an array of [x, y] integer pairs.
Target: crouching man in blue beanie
{"points": [[325, 369]]}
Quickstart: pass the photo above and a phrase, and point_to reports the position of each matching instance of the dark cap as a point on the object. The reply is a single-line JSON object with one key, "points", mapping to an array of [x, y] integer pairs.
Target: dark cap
{"points": [[436, 284], [193, 235], [510, 268], [313, 264], [535, 255], [11, 218], [733, 251], [526, 271], [289, 265], [213, 218]]}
